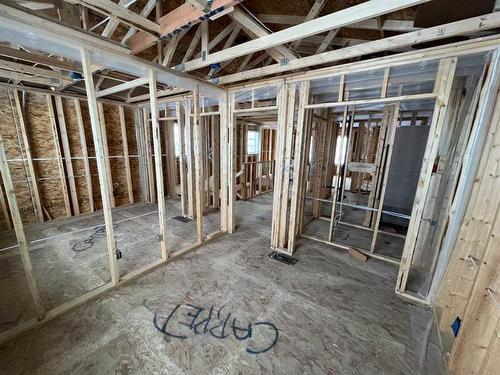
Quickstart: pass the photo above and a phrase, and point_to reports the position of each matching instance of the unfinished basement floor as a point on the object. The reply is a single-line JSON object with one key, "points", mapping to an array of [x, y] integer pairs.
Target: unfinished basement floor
{"points": [[328, 313]]}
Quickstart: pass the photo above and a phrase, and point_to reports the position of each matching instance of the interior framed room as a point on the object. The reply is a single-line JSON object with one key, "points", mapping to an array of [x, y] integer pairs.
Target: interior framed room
{"points": [[182, 180]]}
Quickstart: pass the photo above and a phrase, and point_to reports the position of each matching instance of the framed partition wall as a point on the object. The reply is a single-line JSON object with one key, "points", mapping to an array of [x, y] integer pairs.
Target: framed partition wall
{"points": [[371, 156]]}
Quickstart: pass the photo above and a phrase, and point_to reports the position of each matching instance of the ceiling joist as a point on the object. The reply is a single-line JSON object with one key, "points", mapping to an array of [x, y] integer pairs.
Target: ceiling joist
{"points": [[319, 25], [39, 59], [256, 30], [148, 8], [464, 27], [370, 24], [177, 20], [119, 12], [313, 13]]}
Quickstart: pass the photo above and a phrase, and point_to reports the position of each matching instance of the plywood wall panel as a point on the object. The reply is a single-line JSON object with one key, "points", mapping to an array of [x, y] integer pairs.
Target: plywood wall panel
{"points": [[49, 185], [115, 148], [37, 119], [72, 128], [136, 179], [88, 128], [13, 150], [133, 152], [44, 153], [95, 184]]}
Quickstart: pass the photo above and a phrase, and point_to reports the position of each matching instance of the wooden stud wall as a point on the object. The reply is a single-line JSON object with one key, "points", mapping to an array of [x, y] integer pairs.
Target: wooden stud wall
{"points": [[471, 286], [59, 197]]}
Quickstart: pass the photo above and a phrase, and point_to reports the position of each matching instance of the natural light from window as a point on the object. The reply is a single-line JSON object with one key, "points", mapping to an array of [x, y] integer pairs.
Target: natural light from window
{"points": [[177, 140], [252, 142]]}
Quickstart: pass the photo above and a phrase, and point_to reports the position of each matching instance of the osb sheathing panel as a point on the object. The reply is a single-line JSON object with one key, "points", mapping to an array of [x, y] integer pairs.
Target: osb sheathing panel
{"points": [[115, 148], [88, 128], [39, 131], [75, 147], [13, 150], [51, 193], [81, 186], [132, 150], [91, 153], [134, 171]]}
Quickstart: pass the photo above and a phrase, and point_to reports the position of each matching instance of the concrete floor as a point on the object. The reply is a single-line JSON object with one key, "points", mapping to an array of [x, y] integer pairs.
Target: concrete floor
{"points": [[329, 312]]}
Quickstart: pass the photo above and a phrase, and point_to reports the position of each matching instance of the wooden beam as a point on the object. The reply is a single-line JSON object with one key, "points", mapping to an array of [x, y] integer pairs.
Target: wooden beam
{"points": [[204, 39], [126, 156], [319, 25], [370, 24], [245, 62], [216, 151], [39, 59], [101, 165], [67, 154], [287, 164], [114, 22], [19, 229], [388, 148], [171, 47], [149, 156], [104, 140], [299, 164], [192, 45], [484, 22], [256, 30], [229, 42], [122, 87], [176, 20], [218, 38], [28, 69], [60, 39], [282, 101], [313, 13], [121, 13], [29, 78], [189, 158], [444, 83], [85, 155], [5, 209], [141, 153], [231, 160], [57, 148], [198, 165], [158, 164], [182, 160], [327, 41], [475, 273], [225, 172], [341, 146], [148, 8], [32, 178]]}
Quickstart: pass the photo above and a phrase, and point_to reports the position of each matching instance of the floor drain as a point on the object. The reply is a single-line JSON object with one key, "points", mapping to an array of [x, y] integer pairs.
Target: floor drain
{"points": [[283, 258], [262, 218], [183, 219]]}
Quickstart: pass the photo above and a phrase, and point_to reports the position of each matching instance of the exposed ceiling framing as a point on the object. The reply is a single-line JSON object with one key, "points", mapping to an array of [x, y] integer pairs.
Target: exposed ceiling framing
{"points": [[224, 40]]}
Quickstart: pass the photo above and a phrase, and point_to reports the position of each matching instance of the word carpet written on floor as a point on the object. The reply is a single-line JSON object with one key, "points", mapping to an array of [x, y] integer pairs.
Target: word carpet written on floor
{"points": [[189, 320]]}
